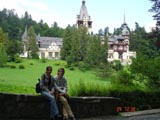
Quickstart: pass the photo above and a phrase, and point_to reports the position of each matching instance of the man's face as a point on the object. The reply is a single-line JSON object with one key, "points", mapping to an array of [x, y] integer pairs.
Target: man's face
{"points": [[49, 71]]}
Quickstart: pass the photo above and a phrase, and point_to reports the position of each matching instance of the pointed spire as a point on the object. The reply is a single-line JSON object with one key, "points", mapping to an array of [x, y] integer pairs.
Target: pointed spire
{"points": [[83, 18], [124, 18], [83, 2], [83, 11], [24, 36], [125, 29]]}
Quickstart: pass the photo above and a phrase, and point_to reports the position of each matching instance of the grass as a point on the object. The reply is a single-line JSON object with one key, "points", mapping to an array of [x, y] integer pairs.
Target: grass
{"points": [[15, 80]]}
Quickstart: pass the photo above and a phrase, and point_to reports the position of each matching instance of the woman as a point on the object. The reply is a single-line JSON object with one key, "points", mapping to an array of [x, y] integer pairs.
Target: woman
{"points": [[47, 86], [61, 83]]}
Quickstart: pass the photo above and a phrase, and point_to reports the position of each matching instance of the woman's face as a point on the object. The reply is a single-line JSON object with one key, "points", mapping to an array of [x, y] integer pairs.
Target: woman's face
{"points": [[60, 73]]}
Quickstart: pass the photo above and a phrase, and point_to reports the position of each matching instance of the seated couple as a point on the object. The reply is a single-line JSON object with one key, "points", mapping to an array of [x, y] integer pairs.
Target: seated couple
{"points": [[55, 88]]}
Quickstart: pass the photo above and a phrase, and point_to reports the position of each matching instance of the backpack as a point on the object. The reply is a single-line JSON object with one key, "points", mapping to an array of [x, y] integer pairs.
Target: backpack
{"points": [[38, 88]]}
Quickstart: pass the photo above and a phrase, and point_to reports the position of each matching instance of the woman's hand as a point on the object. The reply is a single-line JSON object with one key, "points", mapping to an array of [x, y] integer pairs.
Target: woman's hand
{"points": [[61, 94], [51, 92]]}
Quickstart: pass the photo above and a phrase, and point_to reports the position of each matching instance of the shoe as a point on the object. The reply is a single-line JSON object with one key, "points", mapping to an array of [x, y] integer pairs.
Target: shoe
{"points": [[65, 118], [57, 117], [51, 119], [72, 118]]}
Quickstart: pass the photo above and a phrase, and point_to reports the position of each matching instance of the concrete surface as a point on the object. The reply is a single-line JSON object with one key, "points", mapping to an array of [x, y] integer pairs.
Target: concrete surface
{"points": [[153, 114]]}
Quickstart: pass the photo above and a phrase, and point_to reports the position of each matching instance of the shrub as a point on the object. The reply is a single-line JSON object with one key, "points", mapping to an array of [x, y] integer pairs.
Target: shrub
{"points": [[12, 66], [71, 68], [104, 71], [31, 63], [17, 59], [43, 60], [57, 63], [6, 65], [117, 65], [134, 96], [21, 67], [76, 64], [131, 96], [149, 68], [79, 89], [123, 77], [83, 66], [66, 65], [35, 56], [89, 89]]}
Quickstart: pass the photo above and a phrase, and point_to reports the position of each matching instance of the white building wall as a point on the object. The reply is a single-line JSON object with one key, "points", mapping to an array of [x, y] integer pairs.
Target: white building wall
{"points": [[125, 56], [115, 56]]}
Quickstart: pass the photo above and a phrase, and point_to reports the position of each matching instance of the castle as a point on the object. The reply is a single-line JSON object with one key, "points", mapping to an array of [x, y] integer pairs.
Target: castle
{"points": [[118, 46], [49, 47]]}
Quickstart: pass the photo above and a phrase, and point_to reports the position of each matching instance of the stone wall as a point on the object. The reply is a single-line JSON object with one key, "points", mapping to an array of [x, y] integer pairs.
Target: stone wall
{"points": [[21, 106]]}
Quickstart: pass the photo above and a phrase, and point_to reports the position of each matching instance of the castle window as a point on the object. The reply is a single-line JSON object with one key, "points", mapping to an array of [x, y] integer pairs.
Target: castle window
{"points": [[120, 56], [56, 54], [42, 55], [50, 54]]}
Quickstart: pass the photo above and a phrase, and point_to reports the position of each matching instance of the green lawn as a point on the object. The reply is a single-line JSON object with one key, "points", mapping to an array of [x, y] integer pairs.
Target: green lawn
{"points": [[24, 80]]}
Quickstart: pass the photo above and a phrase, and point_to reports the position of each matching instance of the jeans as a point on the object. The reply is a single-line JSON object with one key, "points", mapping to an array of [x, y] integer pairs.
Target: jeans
{"points": [[53, 106]]}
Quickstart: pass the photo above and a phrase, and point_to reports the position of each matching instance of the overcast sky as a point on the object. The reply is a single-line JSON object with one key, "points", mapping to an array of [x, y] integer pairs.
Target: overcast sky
{"points": [[103, 12]]}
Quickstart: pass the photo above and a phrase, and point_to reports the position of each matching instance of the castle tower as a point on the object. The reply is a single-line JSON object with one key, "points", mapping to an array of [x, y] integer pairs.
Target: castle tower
{"points": [[125, 31], [83, 18]]}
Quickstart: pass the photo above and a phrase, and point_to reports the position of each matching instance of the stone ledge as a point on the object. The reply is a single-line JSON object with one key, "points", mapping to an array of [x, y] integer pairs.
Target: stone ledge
{"points": [[18, 106]]}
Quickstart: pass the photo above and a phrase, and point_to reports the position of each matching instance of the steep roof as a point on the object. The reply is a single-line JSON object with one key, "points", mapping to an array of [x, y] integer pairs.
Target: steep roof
{"points": [[83, 11], [45, 42]]}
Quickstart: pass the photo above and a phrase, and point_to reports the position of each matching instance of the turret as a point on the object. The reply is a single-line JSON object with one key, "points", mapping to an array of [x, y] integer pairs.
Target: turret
{"points": [[83, 18]]}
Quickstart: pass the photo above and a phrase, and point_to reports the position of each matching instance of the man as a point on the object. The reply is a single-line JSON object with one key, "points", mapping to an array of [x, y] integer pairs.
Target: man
{"points": [[47, 84]]}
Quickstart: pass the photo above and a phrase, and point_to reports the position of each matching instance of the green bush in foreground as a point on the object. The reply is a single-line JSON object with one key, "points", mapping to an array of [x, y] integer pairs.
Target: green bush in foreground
{"points": [[134, 96], [89, 89]]}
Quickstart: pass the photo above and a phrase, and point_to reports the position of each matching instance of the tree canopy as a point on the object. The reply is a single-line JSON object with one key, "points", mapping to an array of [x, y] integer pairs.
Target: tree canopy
{"points": [[155, 9]]}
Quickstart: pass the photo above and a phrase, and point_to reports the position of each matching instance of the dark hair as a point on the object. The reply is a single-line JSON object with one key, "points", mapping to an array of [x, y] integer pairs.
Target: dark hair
{"points": [[48, 67], [62, 69]]}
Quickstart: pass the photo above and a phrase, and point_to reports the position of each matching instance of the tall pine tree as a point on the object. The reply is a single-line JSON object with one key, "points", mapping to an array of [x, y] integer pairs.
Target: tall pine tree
{"points": [[32, 46]]}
